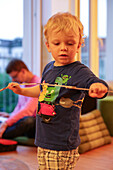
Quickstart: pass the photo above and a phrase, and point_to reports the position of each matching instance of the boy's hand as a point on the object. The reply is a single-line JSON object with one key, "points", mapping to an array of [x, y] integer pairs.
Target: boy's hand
{"points": [[97, 90], [14, 87]]}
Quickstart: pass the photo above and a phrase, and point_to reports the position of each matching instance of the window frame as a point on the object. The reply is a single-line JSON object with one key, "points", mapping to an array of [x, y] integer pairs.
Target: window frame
{"points": [[32, 39]]}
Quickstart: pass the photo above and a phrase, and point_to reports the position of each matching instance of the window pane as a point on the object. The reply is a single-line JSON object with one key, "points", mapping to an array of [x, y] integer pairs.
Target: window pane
{"points": [[50, 8], [84, 17], [11, 34], [102, 33]]}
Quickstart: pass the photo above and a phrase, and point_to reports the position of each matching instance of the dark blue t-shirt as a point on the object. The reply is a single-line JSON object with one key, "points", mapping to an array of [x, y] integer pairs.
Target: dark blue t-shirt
{"points": [[57, 119]]}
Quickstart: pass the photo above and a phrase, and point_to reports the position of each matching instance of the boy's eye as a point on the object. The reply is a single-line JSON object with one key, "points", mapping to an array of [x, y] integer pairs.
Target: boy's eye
{"points": [[56, 43], [70, 43]]}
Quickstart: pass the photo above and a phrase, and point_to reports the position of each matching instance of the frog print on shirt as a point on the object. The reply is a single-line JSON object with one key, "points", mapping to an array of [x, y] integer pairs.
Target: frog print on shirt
{"points": [[48, 96]]}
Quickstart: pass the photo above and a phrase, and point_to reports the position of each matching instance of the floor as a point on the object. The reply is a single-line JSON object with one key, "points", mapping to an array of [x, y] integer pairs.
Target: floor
{"points": [[96, 159], [26, 154]]}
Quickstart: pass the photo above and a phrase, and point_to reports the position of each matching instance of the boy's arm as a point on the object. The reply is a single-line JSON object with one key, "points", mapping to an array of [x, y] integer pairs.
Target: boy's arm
{"points": [[97, 90], [29, 91]]}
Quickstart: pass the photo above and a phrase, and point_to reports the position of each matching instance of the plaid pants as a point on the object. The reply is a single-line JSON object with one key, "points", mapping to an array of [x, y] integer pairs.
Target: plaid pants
{"points": [[57, 160]]}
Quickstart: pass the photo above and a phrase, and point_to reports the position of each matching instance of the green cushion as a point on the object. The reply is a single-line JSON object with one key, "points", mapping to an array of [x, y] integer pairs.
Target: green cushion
{"points": [[106, 107], [93, 131], [22, 140]]}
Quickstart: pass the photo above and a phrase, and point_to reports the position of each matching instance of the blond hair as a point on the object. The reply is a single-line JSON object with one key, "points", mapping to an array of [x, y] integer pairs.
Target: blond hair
{"points": [[64, 22]]}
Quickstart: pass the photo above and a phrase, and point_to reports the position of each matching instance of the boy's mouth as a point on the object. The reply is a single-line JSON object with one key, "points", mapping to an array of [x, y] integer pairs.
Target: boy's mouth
{"points": [[63, 55]]}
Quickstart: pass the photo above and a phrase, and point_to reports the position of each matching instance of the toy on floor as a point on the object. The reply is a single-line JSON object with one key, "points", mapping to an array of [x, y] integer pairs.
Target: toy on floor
{"points": [[7, 145]]}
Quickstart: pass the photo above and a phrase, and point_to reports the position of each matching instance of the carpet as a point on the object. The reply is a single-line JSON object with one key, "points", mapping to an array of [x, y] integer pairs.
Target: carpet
{"points": [[10, 163]]}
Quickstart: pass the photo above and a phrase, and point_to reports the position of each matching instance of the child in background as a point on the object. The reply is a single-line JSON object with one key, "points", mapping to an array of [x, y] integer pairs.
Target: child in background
{"points": [[57, 119]]}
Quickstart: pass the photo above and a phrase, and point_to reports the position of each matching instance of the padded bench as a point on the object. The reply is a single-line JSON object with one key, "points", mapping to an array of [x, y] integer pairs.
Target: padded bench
{"points": [[93, 131], [106, 108]]}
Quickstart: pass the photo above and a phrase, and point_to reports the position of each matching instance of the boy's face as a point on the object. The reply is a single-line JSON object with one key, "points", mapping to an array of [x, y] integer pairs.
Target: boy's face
{"points": [[63, 47]]}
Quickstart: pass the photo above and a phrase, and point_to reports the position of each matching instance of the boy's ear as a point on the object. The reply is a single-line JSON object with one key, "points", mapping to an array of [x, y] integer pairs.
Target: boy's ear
{"points": [[79, 45], [47, 45]]}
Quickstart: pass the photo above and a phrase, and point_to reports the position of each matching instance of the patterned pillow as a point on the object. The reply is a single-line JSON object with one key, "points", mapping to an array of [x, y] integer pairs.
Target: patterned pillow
{"points": [[93, 131]]}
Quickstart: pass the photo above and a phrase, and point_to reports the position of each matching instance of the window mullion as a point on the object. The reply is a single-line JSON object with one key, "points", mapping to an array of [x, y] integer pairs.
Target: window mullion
{"points": [[93, 39]]}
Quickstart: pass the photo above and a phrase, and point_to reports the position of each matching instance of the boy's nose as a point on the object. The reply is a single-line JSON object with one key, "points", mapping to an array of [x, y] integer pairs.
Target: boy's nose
{"points": [[63, 47]]}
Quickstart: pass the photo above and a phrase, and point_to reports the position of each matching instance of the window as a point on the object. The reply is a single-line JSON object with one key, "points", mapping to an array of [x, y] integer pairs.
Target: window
{"points": [[102, 34], [11, 35], [108, 64], [49, 9], [84, 17]]}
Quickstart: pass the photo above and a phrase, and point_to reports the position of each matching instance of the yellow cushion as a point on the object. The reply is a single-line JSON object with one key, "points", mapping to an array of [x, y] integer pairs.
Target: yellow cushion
{"points": [[93, 131]]}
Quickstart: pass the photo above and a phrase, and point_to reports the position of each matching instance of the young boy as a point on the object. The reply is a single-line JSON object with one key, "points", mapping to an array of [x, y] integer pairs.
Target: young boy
{"points": [[57, 124]]}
